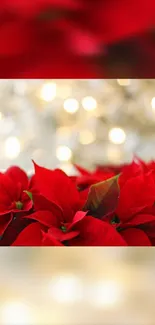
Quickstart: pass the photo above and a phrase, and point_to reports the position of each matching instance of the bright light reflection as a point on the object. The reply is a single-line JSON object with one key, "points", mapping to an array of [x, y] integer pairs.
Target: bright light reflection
{"points": [[15, 313], [48, 91], [12, 147], [153, 103], [106, 294], [123, 82], [1, 116], [117, 135], [65, 289], [71, 105], [63, 153], [89, 103]]}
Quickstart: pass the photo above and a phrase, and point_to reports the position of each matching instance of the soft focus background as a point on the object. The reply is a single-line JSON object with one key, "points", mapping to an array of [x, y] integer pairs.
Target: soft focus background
{"points": [[90, 122], [77, 286]]}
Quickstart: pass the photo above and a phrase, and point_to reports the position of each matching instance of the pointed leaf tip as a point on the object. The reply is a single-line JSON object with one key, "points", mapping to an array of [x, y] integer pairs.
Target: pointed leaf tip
{"points": [[103, 197]]}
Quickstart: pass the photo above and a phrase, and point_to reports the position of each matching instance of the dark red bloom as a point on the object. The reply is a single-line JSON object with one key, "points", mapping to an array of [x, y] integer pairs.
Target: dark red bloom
{"points": [[15, 195], [33, 235], [34, 34]]}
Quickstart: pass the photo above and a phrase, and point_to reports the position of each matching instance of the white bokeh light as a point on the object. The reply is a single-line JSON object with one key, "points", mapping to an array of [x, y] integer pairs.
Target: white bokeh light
{"points": [[89, 103], [12, 147], [117, 135], [106, 294], [71, 105], [66, 289], [153, 103], [15, 313], [63, 153], [48, 91]]}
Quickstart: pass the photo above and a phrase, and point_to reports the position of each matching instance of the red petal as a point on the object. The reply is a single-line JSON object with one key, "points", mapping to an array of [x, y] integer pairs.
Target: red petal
{"points": [[61, 236], [78, 217], [94, 232], [30, 236], [8, 190], [82, 171], [140, 219], [48, 240], [46, 218], [18, 175], [58, 188], [137, 194], [41, 203], [135, 237]]}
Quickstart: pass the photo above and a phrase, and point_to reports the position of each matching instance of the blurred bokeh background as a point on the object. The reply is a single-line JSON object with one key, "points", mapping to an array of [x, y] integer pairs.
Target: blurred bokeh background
{"points": [[89, 122], [44, 286]]}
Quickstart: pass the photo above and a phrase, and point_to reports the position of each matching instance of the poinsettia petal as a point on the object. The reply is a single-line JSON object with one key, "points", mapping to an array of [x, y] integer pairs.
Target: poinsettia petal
{"points": [[58, 188], [48, 240], [103, 197], [135, 237], [41, 203], [140, 219], [82, 171], [94, 232], [8, 189], [78, 217], [137, 194], [30, 236], [18, 176], [62, 236], [46, 218]]}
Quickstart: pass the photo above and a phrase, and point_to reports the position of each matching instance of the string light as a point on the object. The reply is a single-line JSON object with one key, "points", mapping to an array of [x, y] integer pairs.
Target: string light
{"points": [[71, 105], [48, 91], [89, 103], [15, 313], [117, 135], [12, 147], [86, 137], [63, 153], [123, 82], [66, 289]]}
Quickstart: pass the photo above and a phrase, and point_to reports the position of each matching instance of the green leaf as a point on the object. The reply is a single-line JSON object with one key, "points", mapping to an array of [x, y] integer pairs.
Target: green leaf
{"points": [[103, 197], [29, 194]]}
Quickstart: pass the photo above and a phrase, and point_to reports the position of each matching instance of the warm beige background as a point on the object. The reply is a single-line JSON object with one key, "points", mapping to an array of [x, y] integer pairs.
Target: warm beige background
{"points": [[54, 286]]}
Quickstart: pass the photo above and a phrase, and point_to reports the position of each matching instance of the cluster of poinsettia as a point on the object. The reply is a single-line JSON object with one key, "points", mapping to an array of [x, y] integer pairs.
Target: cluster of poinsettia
{"points": [[107, 207], [34, 34]]}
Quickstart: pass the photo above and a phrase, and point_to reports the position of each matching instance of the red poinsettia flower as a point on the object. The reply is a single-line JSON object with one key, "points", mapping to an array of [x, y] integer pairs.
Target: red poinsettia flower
{"points": [[59, 209], [84, 231], [33, 235], [137, 194], [15, 195]]}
